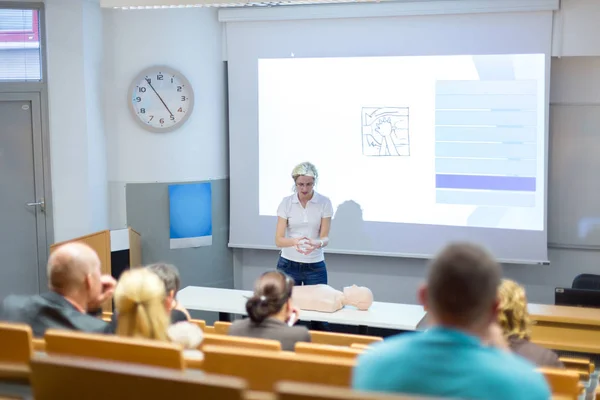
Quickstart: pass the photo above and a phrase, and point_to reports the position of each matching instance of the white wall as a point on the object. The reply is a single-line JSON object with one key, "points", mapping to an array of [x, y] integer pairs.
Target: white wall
{"points": [[188, 40], [78, 166], [576, 28]]}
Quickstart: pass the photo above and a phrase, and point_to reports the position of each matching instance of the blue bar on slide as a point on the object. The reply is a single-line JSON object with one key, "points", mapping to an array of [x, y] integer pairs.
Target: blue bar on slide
{"points": [[485, 198], [487, 87], [486, 150], [485, 134], [494, 118], [474, 166], [485, 182], [486, 101]]}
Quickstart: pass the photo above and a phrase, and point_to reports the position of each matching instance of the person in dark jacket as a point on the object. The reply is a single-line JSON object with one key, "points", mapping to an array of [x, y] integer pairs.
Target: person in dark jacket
{"points": [[271, 312], [77, 287], [516, 326]]}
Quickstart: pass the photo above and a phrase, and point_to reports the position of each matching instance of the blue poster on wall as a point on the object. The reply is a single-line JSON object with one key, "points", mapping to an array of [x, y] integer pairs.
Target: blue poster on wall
{"points": [[190, 215]]}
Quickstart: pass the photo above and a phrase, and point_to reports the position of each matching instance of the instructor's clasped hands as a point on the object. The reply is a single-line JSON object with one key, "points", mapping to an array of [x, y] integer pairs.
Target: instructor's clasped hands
{"points": [[304, 245]]}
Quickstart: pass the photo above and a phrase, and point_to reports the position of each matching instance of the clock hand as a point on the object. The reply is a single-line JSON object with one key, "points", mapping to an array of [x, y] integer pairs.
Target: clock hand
{"points": [[160, 98]]}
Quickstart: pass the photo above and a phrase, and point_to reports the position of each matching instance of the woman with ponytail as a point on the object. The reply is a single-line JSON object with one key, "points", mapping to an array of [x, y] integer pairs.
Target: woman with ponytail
{"points": [[271, 314]]}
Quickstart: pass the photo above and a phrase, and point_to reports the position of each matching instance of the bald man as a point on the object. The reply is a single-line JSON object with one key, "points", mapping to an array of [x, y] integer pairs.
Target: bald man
{"points": [[76, 287]]}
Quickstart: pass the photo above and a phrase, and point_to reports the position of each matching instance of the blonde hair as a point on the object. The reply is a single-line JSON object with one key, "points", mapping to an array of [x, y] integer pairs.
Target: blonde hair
{"points": [[305, 169], [140, 302], [513, 316]]}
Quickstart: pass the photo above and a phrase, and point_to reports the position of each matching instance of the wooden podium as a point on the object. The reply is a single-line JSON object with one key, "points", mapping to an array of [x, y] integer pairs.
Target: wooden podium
{"points": [[118, 250]]}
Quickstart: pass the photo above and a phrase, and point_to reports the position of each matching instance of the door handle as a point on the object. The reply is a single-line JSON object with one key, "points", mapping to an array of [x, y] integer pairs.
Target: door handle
{"points": [[40, 203]]}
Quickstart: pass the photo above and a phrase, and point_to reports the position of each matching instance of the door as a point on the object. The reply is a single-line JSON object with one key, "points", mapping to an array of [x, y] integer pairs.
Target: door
{"points": [[22, 220]]}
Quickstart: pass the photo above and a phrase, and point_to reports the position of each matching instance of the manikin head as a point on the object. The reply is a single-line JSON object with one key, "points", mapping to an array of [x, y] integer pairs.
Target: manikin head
{"points": [[74, 273], [305, 177], [462, 289], [358, 296]]}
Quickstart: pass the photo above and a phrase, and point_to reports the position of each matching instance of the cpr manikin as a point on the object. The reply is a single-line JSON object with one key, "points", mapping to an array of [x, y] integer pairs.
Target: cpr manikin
{"points": [[324, 298]]}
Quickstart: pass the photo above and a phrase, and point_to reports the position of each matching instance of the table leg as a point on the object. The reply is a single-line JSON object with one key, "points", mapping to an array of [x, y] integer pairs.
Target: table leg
{"points": [[363, 330], [223, 316]]}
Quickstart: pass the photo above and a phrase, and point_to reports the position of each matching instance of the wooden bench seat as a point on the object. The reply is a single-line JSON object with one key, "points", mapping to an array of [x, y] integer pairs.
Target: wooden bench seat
{"points": [[262, 369], [326, 350], [114, 348], [305, 391], [332, 338], [238, 341], [67, 378], [342, 339]]}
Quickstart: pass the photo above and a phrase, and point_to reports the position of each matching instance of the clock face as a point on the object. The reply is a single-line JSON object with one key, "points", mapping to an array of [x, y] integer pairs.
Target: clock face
{"points": [[161, 99]]}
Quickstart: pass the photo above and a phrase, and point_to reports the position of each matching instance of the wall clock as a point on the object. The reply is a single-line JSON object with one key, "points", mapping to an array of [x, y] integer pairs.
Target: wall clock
{"points": [[161, 99]]}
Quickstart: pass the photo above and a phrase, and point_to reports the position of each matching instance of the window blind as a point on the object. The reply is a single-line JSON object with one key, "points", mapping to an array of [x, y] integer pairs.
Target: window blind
{"points": [[20, 56]]}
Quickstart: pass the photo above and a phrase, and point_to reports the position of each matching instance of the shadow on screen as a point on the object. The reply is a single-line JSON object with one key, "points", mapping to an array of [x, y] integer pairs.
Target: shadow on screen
{"points": [[348, 228]]}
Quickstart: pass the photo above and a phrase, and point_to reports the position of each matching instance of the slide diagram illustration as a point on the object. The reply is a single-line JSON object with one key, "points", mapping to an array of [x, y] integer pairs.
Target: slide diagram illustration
{"points": [[385, 131]]}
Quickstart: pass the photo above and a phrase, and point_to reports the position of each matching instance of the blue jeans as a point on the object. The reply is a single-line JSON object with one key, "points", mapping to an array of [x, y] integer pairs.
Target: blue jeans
{"points": [[306, 274]]}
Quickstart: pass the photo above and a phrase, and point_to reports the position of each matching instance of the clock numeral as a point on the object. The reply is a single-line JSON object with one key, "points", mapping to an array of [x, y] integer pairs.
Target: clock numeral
{"points": [[151, 118], [143, 110], [159, 77], [138, 99], [179, 88], [162, 121], [172, 118], [142, 89], [171, 79], [183, 98], [180, 109]]}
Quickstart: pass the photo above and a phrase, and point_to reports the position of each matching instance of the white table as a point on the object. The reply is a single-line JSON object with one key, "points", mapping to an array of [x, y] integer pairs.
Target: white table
{"points": [[380, 315]]}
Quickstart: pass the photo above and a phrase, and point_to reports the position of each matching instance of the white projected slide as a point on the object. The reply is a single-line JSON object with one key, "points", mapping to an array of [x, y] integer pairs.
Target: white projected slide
{"points": [[440, 140]]}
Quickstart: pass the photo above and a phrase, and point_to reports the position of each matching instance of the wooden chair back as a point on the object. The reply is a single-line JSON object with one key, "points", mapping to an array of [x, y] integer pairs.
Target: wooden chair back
{"points": [[326, 350], [38, 344], [262, 369], [342, 339], [66, 378], [360, 346], [237, 341], [115, 348], [210, 329], [307, 391], [562, 382], [16, 350], [579, 364], [199, 323], [222, 327]]}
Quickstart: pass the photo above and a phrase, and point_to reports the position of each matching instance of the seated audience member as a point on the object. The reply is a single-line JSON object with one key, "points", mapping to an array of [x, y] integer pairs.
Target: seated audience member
{"points": [[452, 358], [270, 310], [170, 277], [516, 325], [76, 288], [142, 309]]}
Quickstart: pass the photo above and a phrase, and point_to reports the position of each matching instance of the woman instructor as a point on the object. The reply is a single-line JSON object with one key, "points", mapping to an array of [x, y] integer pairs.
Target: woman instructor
{"points": [[303, 222]]}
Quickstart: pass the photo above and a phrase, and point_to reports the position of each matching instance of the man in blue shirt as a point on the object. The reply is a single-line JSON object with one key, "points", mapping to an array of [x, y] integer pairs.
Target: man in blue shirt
{"points": [[461, 355]]}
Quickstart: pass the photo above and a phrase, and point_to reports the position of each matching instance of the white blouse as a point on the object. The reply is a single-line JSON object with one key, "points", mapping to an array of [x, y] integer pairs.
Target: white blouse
{"points": [[304, 222]]}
